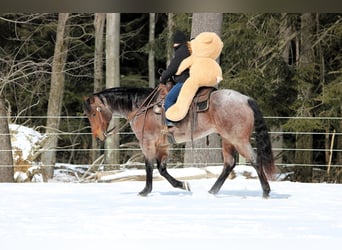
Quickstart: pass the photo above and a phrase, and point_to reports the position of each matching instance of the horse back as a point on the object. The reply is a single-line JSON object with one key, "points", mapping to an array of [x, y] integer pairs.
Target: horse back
{"points": [[230, 111]]}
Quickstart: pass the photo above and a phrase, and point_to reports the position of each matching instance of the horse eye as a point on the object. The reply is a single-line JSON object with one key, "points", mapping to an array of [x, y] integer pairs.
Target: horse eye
{"points": [[94, 114]]}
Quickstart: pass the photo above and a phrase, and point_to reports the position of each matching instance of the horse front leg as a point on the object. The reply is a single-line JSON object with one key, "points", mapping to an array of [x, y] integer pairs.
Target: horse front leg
{"points": [[149, 177], [161, 165]]}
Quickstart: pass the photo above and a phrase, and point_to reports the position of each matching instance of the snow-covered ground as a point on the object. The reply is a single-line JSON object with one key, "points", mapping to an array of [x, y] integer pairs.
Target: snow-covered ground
{"points": [[64, 214], [111, 215]]}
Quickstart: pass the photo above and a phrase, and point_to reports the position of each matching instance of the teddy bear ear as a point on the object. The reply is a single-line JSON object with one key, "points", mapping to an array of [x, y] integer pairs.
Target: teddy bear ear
{"points": [[207, 40]]}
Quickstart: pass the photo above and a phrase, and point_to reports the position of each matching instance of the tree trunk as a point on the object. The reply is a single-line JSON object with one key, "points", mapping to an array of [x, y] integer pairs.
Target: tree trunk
{"points": [[200, 154], [99, 24], [339, 142], [6, 164], [285, 32], [55, 98], [169, 47], [306, 66], [112, 143], [151, 64]]}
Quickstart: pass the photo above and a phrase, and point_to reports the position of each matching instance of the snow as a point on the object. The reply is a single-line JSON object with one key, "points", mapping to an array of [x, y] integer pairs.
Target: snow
{"points": [[24, 139], [65, 214], [60, 215]]}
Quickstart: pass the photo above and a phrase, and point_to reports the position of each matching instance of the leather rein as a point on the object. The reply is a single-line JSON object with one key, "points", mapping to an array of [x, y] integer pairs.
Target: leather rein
{"points": [[142, 109]]}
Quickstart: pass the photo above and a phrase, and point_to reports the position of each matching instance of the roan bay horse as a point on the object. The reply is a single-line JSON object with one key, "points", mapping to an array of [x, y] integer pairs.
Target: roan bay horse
{"points": [[230, 114]]}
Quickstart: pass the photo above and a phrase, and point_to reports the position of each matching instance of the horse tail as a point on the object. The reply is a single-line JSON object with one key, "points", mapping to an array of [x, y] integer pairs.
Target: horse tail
{"points": [[263, 143]]}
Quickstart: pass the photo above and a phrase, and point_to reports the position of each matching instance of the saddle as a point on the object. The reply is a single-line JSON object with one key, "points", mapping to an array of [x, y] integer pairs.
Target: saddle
{"points": [[201, 99], [200, 102]]}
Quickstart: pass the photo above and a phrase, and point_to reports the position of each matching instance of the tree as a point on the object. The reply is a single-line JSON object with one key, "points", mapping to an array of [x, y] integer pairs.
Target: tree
{"points": [[56, 97], [286, 37], [6, 166], [170, 28], [204, 22], [306, 83], [99, 24], [151, 64], [22, 75], [112, 155]]}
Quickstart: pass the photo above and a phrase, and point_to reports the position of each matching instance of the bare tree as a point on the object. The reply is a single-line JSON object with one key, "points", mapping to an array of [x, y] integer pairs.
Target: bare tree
{"points": [[21, 77], [6, 165], [55, 97], [197, 153], [99, 24], [151, 64], [306, 66], [170, 28], [112, 143]]}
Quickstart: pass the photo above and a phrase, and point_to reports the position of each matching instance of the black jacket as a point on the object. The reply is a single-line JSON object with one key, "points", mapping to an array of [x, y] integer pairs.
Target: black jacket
{"points": [[180, 52]]}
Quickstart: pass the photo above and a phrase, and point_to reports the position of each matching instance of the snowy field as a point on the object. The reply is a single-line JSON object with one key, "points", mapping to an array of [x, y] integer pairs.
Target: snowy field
{"points": [[59, 215]]}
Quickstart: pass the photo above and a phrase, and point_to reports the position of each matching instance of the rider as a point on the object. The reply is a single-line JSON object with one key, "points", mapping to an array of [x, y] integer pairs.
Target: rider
{"points": [[181, 51]]}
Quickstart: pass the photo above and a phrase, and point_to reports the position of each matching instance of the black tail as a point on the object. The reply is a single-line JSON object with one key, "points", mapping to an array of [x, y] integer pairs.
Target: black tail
{"points": [[264, 148]]}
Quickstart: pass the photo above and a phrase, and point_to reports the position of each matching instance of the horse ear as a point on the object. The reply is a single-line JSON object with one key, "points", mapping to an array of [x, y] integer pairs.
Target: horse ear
{"points": [[86, 104], [88, 99], [85, 99], [104, 100]]}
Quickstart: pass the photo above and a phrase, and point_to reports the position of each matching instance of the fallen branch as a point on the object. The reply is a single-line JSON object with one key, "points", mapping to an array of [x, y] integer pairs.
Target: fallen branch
{"points": [[97, 162]]}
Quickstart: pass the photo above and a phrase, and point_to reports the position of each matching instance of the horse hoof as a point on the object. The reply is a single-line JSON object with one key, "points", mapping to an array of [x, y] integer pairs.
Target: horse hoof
{"points": [[266, 195], [213, 191], [144, 193], [186, 186]]}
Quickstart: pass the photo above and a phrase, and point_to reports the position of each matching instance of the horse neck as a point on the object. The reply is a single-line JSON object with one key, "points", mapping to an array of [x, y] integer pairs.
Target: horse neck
{"points": [[122, 104]]}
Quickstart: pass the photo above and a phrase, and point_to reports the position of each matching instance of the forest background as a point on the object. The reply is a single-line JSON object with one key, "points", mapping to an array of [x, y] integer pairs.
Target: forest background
{"points": [[289, 63]]}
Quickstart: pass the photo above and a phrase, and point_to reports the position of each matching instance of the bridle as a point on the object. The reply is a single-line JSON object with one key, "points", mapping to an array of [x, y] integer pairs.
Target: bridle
{"points": [[142, 109], [113, 130]]}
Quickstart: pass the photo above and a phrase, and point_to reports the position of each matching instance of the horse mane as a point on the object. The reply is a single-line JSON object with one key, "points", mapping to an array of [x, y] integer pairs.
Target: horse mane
{"points": [[121, 99]]}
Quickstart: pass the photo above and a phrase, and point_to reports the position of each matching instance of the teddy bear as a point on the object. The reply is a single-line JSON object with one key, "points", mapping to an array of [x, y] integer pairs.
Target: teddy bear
{"points": [[204, 71]]}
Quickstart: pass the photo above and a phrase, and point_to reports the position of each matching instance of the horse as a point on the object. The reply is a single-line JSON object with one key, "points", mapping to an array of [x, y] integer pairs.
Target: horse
{"points": [[230, 114]]}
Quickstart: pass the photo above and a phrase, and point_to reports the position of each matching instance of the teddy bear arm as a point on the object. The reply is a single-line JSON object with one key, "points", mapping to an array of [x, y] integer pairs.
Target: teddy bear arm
{"points": [[186, 63]]}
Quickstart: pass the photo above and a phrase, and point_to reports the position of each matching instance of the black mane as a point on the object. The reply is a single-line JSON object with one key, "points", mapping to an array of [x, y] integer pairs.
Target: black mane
{"points": [[121, 99]]}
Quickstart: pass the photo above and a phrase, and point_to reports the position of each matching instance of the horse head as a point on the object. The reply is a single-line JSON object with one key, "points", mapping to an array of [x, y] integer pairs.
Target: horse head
{"points": [[99, 115]]}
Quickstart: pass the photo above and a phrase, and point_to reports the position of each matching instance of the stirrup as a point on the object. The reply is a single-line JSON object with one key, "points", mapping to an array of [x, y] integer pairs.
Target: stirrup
{"points": [[169, 134], [165, 130]]}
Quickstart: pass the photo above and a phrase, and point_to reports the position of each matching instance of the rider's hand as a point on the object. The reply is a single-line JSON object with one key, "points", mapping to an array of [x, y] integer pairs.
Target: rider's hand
{"points": [[162, 90]]}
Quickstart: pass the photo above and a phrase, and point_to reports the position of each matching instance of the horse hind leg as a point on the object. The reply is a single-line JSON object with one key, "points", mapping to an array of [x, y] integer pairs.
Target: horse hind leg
{"points": [[229, 164], [263, 179], [246, 151]]}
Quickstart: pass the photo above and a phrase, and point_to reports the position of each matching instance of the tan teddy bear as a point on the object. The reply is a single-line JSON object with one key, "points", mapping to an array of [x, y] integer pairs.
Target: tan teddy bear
{"points": [[204, 71]]}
